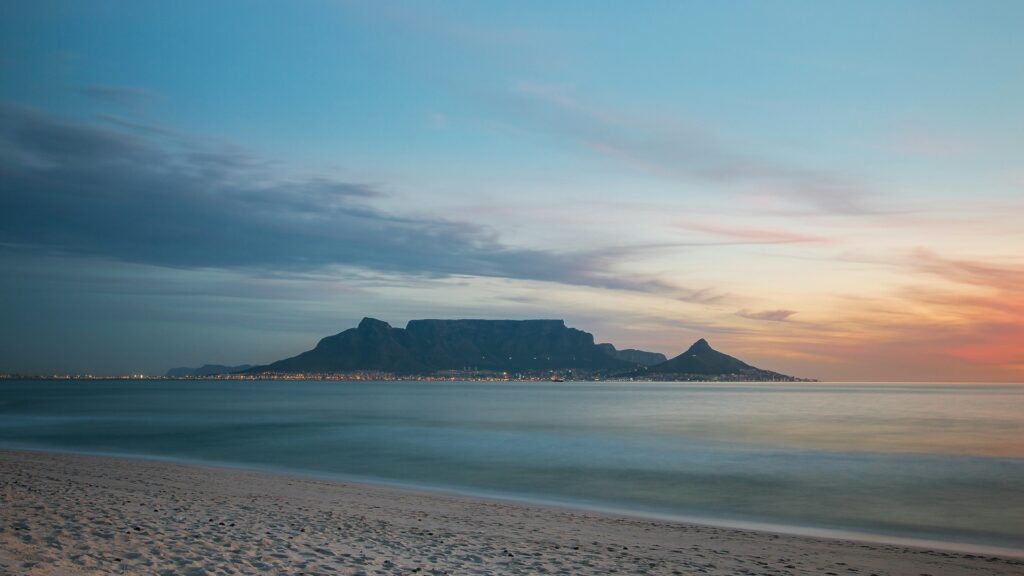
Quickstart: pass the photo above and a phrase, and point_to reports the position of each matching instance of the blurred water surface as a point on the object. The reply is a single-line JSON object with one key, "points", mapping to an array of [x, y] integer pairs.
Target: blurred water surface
{"points": [[940, 462]]}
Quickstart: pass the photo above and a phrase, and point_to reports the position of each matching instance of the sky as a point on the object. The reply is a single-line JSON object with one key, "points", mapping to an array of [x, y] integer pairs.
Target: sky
{"points": [[833, 190]]}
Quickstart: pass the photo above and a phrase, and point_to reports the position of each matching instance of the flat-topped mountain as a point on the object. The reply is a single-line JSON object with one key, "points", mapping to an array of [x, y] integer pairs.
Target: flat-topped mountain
{"points": [[429, 346], [701, 361]]}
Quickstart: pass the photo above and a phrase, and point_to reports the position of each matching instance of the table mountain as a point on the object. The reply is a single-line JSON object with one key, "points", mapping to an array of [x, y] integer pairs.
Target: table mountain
{"points": [[428, 346]]}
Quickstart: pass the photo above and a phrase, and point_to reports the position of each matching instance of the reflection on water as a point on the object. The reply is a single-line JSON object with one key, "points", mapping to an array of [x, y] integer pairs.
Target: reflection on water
{"points": [[943, 462]]}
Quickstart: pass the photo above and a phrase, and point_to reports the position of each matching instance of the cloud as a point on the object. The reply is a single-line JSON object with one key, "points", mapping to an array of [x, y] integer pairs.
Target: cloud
{"points": [[974, 272], [769, 315], [988, 321], [672, 149], [128, 96], [144, 128], [969, 328], [143, 197], [948, 319], [706, 296], [757, 235]]}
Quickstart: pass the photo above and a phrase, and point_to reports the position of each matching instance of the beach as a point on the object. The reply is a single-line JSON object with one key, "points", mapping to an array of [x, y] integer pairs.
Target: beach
{"points": [[67, 514]]}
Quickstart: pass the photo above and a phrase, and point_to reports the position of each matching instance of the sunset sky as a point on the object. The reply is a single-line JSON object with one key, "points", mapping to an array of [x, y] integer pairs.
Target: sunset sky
{"points": [[833, 190]]}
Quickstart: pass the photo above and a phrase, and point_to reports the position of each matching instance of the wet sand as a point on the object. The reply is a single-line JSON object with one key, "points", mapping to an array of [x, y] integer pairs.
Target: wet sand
{"points": [[82, 515]]}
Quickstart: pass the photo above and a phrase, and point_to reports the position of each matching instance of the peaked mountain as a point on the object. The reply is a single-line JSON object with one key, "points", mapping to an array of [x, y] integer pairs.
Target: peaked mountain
{"points": [[206, 370], [427, 346], [633, 356], [701, 361]]}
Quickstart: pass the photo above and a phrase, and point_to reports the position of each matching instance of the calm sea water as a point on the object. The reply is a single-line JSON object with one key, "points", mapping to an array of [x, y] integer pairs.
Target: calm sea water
{"points": [[937, 462]]}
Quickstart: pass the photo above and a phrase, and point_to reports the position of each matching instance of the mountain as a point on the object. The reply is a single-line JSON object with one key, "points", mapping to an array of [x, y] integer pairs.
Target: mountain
{"points": [[206, 370], [428, 346], [702, 362], [531, 347], [633, 356]]}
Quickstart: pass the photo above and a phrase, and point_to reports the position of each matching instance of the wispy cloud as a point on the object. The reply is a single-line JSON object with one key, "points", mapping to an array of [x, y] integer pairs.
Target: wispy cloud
{"points": [[140, 197], [976, 272], [673, 149], [128, 96], [133, 125], [756, 235], [769, 315], [703, 296], [969, 327]]}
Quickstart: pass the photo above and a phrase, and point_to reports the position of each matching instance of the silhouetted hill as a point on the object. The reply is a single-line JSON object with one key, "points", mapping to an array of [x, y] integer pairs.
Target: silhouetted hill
{"points": [[633, 356], [206, 370], [428, 346], [701, 361]]}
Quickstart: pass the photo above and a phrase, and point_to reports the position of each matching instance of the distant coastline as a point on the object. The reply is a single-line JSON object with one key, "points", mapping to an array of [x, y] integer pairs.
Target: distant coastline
{"points": [[477, 350], [384, 377]]}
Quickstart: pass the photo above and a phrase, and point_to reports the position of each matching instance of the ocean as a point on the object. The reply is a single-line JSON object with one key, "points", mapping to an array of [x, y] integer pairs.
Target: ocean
{"points": [[891, 462]]}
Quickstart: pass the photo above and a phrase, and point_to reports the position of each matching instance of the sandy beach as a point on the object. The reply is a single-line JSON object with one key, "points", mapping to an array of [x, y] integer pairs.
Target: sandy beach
{"points": [[72, 514]]}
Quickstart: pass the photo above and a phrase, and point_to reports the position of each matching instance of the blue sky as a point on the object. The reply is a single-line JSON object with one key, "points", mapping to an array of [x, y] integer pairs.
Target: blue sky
{"points": [[817, 187]]}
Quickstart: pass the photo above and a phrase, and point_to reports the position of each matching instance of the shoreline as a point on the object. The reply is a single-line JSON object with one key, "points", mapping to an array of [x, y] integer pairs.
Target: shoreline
{"points": [[392, 378], [385, 524], [566, 506], [306, 378]]}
